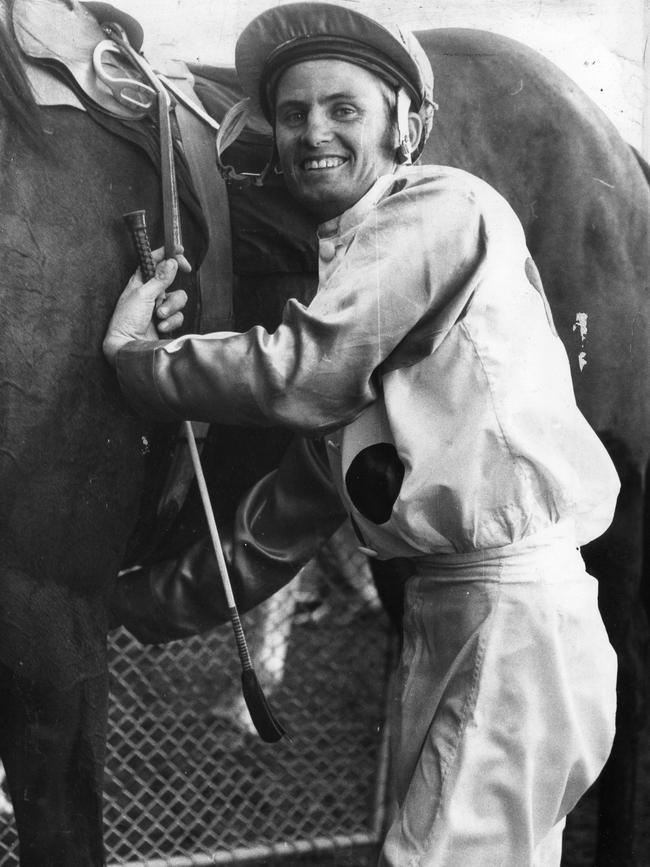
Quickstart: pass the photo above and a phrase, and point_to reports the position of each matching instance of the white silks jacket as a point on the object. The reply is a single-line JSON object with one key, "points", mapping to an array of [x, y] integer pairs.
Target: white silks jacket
{"points": [[428, 362]]}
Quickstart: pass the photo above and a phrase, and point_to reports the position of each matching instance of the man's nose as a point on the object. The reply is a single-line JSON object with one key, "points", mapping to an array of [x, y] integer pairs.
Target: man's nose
{"points": [[318, 128]]}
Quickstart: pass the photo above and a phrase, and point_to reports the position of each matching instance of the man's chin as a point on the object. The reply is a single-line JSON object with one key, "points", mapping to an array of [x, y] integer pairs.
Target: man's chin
{"points": [[322, 202]]}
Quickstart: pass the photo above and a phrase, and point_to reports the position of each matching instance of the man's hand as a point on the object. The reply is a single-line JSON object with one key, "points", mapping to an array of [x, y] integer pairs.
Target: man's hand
{"points": [[143, 311]]}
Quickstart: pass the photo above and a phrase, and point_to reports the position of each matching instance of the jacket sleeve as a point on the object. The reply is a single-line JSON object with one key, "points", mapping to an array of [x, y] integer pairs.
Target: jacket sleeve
{"points": [[409, 267], [279, 526]]}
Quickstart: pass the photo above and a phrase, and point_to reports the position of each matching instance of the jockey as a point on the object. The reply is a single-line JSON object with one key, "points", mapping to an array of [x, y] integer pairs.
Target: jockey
{"points": [[432, 404]]}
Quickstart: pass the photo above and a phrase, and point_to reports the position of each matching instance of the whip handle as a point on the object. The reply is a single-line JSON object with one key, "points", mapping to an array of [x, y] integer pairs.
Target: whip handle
{"points": [[137, 225]]}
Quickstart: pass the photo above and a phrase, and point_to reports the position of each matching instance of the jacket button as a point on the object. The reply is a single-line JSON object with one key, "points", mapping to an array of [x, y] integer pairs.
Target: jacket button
{"points": [[327, 250]]}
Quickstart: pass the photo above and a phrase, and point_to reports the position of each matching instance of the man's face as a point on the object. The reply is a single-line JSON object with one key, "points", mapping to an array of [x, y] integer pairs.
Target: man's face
{"points": [[333, 134]]}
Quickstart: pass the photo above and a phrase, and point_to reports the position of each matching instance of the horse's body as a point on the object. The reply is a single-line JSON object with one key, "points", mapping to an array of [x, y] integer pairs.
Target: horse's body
{"points": [[76, 466], [72, 465]]}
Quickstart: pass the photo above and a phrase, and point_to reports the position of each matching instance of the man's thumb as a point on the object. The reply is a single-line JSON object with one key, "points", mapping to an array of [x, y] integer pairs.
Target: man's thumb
{"points": [[163, 278]]}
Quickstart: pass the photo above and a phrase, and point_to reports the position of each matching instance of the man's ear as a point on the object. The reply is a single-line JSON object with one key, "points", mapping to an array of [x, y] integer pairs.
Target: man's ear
{"points": [[409, 128], [416, 129]]}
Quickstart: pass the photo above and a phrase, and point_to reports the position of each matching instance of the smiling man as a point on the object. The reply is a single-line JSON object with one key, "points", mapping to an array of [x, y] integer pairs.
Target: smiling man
{"points": [[434, 406], [334, 133]]}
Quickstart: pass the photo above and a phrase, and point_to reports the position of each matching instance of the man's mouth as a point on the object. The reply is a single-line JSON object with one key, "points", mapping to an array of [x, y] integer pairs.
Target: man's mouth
{"points": [[314, 165]]}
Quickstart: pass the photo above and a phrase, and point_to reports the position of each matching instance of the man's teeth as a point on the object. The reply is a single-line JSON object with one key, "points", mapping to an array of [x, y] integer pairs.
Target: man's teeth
{"points": [[325, 163]]}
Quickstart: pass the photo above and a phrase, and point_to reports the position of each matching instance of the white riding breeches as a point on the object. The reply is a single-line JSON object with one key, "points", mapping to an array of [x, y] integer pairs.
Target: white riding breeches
{"points": [[504, 706]]}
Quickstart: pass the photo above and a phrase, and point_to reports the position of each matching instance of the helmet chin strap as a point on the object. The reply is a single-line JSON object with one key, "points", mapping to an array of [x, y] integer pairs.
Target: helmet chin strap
{"points": [[231, 127], [404, 148]]}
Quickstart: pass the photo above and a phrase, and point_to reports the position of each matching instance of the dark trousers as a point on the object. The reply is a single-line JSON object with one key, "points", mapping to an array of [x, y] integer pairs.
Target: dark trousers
{"points": [[53, 743]]}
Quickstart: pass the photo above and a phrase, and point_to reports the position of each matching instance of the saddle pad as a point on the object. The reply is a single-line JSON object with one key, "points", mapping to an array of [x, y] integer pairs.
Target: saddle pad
{"points": [[48, 89]]}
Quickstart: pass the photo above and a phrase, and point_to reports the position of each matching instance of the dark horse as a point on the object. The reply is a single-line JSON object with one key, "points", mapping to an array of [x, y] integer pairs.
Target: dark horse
{"points": [[77, 468], [79, 472]]}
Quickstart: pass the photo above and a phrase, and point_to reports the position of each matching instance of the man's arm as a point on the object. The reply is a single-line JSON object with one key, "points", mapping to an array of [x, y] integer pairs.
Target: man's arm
{"points": [[409, 272], [280, 524]]}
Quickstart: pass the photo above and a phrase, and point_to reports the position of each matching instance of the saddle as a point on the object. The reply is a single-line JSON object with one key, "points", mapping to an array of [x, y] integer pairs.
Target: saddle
{"points": [[59, 41], [60, 38]]}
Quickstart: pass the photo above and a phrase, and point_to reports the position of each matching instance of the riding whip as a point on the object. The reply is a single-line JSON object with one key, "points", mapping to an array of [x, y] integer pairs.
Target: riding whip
{"points": [[263, 718]]}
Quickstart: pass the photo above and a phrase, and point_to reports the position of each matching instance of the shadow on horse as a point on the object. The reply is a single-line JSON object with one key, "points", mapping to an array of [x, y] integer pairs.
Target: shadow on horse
{"points": [[80, 474]]}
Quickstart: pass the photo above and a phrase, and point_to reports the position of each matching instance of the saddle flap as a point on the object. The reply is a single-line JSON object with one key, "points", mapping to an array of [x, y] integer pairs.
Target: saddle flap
{"points": [[63, 37]]}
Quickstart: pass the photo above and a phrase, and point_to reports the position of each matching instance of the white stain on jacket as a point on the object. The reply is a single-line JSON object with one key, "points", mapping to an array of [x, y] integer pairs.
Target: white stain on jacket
{"points": [[581, 325]]}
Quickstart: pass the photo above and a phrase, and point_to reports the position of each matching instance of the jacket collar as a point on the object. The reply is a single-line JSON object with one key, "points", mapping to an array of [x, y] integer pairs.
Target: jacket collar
{"points": [[355, 215]]}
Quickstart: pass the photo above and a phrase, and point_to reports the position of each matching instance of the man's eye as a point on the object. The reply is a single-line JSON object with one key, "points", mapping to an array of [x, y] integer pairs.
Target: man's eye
{"points": [[293, 117], [344, 111]]}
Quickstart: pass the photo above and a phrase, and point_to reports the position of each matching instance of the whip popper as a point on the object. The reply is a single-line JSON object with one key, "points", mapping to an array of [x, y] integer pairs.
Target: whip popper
{"points": [[264, 720]]}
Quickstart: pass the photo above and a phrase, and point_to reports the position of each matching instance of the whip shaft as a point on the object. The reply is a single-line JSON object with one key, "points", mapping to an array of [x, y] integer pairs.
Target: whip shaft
{"points": [[264, 720]]}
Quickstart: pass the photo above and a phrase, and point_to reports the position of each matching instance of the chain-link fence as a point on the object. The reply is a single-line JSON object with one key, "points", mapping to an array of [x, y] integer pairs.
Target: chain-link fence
{"points": [[188, 780], [190, 783]]}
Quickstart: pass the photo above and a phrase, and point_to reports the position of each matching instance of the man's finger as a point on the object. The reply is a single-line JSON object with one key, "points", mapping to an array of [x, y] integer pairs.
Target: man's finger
{"points": [[183, 264], [164, 277], [159, 254], [173, 302], [171, 324]]}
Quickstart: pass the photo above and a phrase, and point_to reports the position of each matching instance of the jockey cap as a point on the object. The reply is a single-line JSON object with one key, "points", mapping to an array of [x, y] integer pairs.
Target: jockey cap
{"points": [[295, 32]]}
